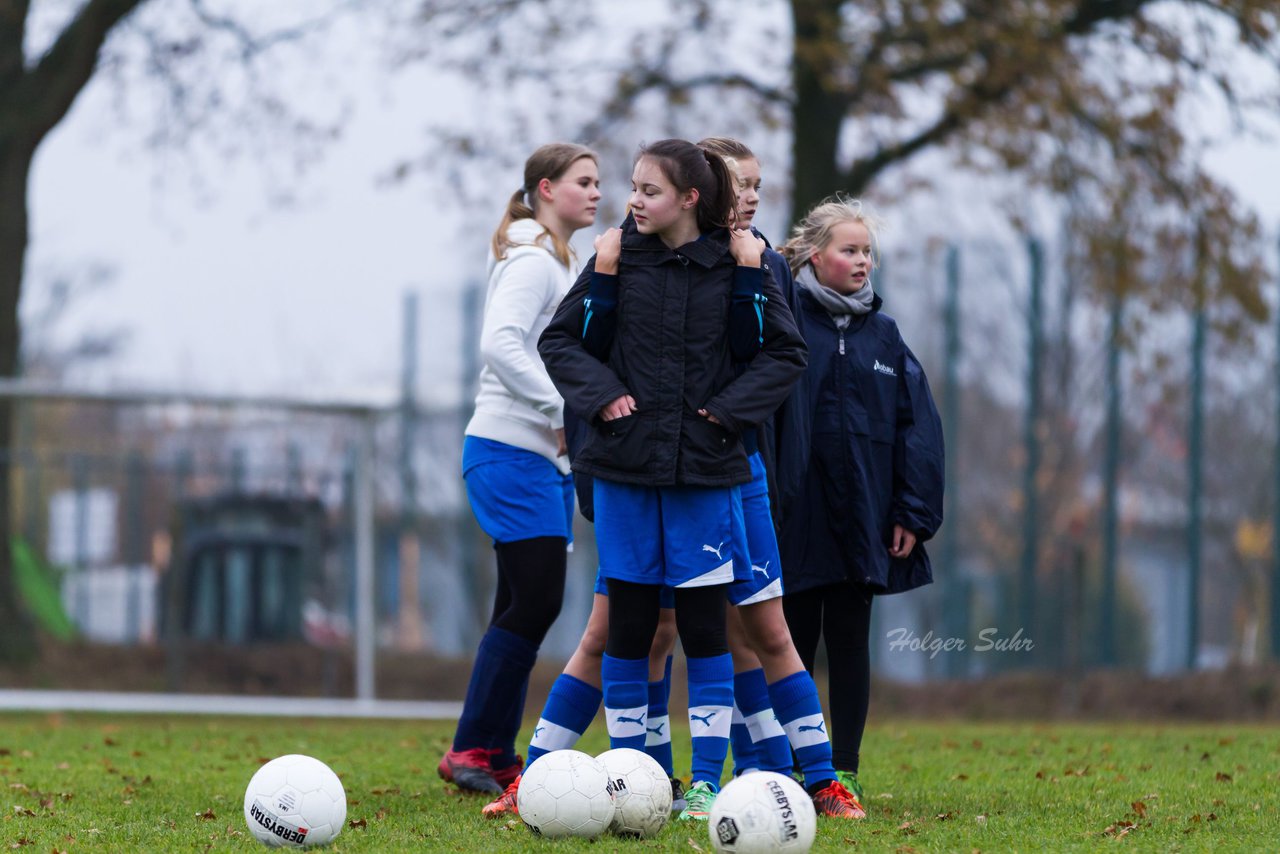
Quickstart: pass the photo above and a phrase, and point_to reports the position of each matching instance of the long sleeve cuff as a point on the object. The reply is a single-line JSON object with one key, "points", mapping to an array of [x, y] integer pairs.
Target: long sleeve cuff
{"points": [[748, 283], [604, 289]]}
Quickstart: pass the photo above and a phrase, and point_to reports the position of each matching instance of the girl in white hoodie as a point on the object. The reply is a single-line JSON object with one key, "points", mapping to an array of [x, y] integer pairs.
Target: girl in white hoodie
{"points": [[514, 456]]}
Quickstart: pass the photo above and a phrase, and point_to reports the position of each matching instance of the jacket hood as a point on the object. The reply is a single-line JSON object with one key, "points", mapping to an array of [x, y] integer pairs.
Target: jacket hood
{"points": [[526, 232]]}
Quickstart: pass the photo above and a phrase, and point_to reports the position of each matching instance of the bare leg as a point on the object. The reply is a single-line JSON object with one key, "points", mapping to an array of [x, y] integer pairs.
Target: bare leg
{"points": [[585, 662]]}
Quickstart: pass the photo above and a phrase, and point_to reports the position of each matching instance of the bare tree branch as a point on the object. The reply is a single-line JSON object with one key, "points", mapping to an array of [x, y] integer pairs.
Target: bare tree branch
{"points": [[49, 90]]}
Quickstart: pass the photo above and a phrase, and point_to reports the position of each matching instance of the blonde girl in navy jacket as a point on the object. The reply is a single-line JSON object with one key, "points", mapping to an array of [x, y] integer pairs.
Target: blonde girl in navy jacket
{"points": [[859, 463]]}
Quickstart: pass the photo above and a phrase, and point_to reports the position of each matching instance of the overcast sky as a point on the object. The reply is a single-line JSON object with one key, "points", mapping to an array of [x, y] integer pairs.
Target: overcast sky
{"points": [[222, 291]]}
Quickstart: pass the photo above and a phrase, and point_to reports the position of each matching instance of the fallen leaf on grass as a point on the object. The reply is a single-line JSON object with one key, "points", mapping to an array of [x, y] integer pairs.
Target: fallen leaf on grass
{"points": [[943, 816], [22, 840], [1222, 777], [695, 846], [906, 827], [23, 811], [1139, 809], [980, 819], [960, 777], [358, 823], [207, 815], [1119, 829]]}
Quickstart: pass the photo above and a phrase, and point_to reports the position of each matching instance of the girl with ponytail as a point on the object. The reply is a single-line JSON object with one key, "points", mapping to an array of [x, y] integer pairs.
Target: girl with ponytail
{"points": [[640, 347], [514, 456]]}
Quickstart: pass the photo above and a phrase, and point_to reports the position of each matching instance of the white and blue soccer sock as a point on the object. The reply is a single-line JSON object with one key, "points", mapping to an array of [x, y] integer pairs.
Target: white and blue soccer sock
{"points": [[795, 702], [773, 751], [657, 741], [626, 700], [571, 707], [498, 680], [710, 712], [745, 758]]}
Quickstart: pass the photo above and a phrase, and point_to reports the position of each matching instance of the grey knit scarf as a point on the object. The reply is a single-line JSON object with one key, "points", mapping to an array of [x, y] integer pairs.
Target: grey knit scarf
{"points": [[839, 306]]}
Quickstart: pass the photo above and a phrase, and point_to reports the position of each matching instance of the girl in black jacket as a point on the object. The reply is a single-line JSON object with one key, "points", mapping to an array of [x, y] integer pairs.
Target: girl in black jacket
{"points": [[667, 411]]}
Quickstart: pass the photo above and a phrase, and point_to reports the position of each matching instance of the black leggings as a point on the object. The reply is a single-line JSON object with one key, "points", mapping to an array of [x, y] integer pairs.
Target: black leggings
{"points": [[841, 614], [530, 586], [633, 619]]}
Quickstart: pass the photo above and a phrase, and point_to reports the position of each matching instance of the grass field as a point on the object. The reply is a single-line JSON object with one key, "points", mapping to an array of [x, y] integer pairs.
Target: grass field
{"points": [[82, 783]]}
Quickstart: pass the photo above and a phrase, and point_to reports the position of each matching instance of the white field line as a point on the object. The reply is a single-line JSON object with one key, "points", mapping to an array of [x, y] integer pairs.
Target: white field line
{"points": [[225, 704]]}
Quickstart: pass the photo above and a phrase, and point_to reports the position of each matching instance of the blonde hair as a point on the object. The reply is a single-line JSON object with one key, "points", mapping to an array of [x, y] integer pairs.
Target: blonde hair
{"points": [[727, 147], [549, 161], [813, 233]]}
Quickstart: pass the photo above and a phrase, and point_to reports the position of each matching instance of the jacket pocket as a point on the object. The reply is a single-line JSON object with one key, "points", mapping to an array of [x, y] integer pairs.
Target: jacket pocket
{"points": [[708, 447], [621, 444], [880, 449]]}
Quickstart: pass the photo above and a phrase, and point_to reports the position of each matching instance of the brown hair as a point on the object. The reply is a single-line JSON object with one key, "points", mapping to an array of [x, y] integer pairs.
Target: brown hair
{"points": [[549, 161], [689, 167]]}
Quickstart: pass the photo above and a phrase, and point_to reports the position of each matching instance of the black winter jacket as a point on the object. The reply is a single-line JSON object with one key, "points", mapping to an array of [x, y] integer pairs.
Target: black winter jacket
{"points": [[670, 351]]}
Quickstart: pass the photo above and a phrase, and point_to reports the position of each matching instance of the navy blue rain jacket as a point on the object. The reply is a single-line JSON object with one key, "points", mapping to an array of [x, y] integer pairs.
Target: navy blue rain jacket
{"points": [[858, 449]]}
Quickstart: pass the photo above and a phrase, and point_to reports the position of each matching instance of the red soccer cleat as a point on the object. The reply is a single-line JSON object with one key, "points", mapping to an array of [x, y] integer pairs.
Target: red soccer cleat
{"points": [[838, 802], [470, 770], [505, 804]]}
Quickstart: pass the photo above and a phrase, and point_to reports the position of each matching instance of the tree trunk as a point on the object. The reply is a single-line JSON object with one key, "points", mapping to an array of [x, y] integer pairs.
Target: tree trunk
{"points": [[17, 637], [818, 111]]}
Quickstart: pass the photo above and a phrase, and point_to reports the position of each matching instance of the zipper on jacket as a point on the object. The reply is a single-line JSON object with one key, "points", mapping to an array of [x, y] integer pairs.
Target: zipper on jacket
{"points": [[841, 342]]}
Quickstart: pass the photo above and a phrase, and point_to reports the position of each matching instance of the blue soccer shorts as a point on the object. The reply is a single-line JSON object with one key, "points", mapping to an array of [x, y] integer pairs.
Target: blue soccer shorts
{"points": [[681, 536], [762, 542]]}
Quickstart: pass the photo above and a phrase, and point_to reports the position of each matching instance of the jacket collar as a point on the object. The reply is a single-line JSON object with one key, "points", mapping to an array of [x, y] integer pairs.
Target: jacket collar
{"points": [[649, 250]]}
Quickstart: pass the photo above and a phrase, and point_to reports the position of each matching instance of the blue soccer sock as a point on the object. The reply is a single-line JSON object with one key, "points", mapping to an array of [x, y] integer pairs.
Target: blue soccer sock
{"points": [[504, 743], [795, 702], [745, 758], [710, 713], [773, 751], [626, 700], [570, 709], [499, 677], [657, 741]]}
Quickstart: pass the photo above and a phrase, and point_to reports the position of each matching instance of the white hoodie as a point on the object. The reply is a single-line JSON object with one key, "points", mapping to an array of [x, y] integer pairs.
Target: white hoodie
{"points": [[517, 404]]}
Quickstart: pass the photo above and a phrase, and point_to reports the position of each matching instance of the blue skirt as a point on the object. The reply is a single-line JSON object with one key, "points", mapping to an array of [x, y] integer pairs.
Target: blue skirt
{"points": [[516, 494]]}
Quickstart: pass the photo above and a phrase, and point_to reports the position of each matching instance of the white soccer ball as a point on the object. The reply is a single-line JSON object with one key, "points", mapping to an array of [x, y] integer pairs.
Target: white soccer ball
{"points": [[641, 792], [762, 811], [295, 801], [565, 793]]}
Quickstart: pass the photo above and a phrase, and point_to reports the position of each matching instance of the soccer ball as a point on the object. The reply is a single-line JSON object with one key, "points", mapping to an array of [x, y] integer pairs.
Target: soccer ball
{"points": [[295, 801], [641, 792], [762, 811], [565, 793]]}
